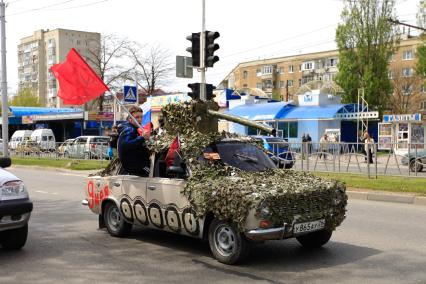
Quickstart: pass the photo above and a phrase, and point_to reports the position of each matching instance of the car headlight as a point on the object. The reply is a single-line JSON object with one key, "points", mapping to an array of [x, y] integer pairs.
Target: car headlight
{"points": [[13, 190], [264, 210]]}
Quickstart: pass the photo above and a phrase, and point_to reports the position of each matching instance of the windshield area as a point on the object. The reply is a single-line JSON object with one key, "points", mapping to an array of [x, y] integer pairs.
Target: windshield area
{"points": [[246, 157]]}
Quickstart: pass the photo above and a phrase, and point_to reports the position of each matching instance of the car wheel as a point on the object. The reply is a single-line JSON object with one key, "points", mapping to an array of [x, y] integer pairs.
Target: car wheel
{"points": [[227, 244], [415, 167], [315, 239], [14, 239], [114, 221]]}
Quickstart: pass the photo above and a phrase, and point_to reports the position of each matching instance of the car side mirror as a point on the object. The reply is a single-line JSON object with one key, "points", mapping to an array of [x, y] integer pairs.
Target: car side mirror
{"points": [[5, 162]]}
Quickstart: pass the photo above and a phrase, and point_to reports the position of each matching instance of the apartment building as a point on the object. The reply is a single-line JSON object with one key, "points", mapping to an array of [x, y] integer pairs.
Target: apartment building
{"points": [[38, 52], [282, 77]]}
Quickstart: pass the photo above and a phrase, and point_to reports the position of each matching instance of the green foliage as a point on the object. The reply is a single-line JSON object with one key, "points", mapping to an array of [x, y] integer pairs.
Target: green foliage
{"points": [[366, 40], [421, 62], [276, 96], [25, 97]]}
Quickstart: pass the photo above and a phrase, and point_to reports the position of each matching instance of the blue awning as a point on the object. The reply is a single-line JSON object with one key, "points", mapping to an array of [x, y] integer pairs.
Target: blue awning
{"points": [[266, 111], [18, 111], [311, 112]]}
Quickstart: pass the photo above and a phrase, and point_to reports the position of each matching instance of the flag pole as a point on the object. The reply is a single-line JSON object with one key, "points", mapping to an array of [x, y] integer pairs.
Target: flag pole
{"points": [[125, 109]]}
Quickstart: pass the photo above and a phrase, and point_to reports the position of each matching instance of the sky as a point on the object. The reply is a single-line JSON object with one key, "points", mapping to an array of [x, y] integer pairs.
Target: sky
{"points": [[249, 29]]}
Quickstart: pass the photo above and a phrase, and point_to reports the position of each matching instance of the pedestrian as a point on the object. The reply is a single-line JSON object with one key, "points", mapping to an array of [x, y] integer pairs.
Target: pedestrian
{"points": [[368, 145], [132, 150], [363, 138], [323, 146], [309, 141]]}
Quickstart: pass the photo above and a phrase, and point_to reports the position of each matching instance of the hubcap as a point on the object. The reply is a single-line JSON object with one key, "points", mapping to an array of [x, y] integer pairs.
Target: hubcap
{"points": [[114, 217], [224, 240]]}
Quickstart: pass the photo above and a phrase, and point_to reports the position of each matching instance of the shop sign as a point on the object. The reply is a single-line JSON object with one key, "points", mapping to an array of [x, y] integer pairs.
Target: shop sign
{"points": [[27, 119], [402, 117], [100, 116]]}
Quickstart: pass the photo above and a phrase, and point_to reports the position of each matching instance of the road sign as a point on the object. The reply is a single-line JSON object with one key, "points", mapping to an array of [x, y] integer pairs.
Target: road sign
{"points": [[130, 94]]}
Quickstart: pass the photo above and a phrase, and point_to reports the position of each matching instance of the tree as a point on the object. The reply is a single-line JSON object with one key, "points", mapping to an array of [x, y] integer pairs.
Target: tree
{"points": [[25, 97], [153, 67], [421, 48], [406, 94], [107, 60], [366, 40]]}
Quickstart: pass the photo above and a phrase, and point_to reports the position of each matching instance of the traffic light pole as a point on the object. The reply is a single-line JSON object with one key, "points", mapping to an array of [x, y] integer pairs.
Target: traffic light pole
{"points": [[202, 53]]}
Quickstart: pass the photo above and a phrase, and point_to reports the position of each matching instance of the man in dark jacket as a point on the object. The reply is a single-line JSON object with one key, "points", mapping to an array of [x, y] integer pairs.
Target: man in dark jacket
{"points": [[132, 151]]}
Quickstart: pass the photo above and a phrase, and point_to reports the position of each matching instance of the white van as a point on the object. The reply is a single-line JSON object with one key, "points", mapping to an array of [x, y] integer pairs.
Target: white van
{"points": [[44, 138], [18, 137]]}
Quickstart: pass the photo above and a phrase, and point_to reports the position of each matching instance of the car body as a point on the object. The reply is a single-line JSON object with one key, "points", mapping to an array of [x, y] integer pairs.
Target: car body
{"points": [[416, 160], [18, 137], [44, 138], [88, 147], [158, 202], [278, 147], [15, 209], [64, 146]]}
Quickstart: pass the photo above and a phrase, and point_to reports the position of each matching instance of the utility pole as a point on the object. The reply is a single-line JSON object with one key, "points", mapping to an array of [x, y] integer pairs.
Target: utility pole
{"points": [[202, 53], [5, 118], [396, 22]]}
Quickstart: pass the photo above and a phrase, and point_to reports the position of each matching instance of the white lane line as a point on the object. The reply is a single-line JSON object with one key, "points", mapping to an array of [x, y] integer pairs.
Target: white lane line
{"points": [[41, 191]]}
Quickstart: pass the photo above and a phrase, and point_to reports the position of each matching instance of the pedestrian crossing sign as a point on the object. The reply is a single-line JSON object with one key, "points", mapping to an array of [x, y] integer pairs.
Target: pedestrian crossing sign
{"points": [[130, 94]]}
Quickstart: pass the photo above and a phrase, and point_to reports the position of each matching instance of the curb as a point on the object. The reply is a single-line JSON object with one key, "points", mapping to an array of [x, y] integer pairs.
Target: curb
{"points": [[386, 197]]}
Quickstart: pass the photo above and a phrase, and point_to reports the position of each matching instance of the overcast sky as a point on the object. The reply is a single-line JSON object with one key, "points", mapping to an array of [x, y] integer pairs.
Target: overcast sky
{"points": [[249, 29]]}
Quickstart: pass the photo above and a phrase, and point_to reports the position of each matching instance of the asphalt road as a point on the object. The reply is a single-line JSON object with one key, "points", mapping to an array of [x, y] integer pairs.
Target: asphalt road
{"points": [[377, 243]]}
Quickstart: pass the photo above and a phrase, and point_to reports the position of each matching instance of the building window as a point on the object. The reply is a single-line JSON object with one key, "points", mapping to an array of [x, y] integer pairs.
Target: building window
{"points": [[290, 83], [407, 55], [288, 129], [308, 65], [259, 85], [390, 74], [290, 69], [423, 105], [407, 89], [407, 72], [281, 84], [300, 82], [332, 62], [300, 68], [268, 84], [391, 58], [267, 70], [280, 70], [423, 89], [245, 75], [244, 85]]}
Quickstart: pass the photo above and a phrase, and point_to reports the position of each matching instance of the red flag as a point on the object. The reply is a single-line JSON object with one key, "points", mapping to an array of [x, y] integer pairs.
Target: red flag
{"points": [[146, 128], [78, 83], [174, 147]]}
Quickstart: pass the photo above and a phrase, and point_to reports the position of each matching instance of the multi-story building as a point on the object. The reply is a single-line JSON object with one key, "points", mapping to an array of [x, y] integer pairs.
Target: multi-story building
{"points": [[281, 77], [37, 53]]}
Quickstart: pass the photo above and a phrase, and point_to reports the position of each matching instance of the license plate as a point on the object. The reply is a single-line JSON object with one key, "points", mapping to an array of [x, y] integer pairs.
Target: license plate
{"points": [[309, 226]]}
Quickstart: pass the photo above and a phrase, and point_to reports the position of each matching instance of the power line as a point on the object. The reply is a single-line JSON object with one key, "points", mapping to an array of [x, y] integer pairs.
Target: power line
{"points": [[79, 6], [41, 8]]}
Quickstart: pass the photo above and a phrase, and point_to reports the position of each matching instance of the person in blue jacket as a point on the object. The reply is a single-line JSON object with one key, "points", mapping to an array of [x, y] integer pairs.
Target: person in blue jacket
{"points": [[132, 151]]}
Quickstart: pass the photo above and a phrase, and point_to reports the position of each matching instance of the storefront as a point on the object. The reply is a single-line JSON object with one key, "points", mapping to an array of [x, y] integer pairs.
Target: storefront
{"points": [[398, 131]]}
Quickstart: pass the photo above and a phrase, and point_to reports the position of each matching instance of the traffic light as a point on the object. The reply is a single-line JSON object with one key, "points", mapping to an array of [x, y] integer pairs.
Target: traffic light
{"points": [[195, 93], [194, 49], [209, 91], [210, 48]]}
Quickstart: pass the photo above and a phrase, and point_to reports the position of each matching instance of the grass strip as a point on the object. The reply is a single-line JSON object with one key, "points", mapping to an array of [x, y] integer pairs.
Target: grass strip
{"points": [[61, 163]]}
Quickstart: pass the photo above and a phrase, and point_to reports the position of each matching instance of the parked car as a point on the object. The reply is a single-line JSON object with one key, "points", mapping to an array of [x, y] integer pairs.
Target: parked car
{"points": [[159, 202], [15, 209], [279, 148], [416, 160], [64, 146], [18, 137], [44, 138], [28, 147], [88, 147]]}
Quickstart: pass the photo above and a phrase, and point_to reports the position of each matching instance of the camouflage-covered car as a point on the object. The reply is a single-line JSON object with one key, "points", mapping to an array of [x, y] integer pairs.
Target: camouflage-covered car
{"points": [[219, 187]]}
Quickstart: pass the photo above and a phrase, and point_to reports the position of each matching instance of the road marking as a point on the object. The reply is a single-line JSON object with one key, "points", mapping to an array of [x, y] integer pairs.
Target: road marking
{"points": [[41, 191]]}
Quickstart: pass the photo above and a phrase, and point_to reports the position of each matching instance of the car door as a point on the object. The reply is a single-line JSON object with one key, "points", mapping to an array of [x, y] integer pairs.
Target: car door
{"points": [[132, 201], [167, 207]]}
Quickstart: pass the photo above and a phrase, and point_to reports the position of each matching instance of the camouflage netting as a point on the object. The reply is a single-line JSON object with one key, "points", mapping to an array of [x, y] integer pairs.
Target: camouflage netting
{"points": [[230, 193]]}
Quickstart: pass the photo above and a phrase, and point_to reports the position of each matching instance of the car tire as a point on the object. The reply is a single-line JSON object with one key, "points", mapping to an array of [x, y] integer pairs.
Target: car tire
{"points": [[415, 167], [227, 244], [315, 239], [114, 221], [14, 239]]}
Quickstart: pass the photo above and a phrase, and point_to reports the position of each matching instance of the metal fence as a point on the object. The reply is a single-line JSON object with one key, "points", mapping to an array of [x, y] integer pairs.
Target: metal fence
{"points": [[357, 158], [59, 150]]}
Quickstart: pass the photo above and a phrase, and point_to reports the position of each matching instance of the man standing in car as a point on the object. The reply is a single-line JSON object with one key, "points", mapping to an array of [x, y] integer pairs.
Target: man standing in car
{"points": [[132, 150]]}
